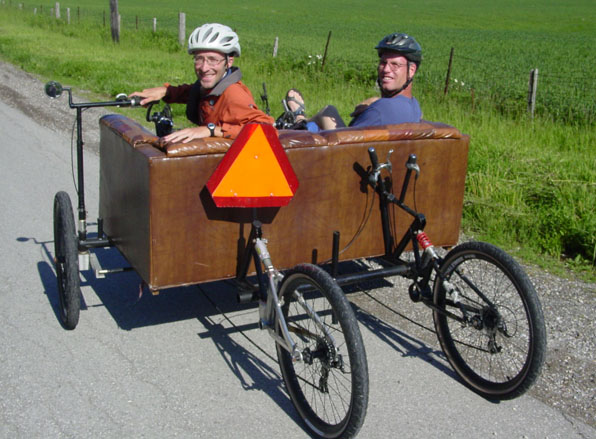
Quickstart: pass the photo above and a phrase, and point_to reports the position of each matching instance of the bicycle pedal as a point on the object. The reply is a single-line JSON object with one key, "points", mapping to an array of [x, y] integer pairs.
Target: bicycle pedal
{"points": [[414, 293], [417, 294], [247, 296]]}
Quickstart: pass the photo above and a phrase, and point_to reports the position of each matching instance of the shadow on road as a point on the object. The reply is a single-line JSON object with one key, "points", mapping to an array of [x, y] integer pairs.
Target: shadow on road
{"points": [[122, 294], [254, 372]]}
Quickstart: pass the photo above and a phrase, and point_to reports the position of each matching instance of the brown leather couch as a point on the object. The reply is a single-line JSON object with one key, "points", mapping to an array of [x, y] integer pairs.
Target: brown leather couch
{"points": [[158, 213]]}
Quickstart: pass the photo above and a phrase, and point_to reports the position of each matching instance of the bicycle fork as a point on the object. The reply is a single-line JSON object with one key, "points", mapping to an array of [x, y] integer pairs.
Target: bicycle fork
{"points": [[429, 262], [270, 310], [485, 318]]}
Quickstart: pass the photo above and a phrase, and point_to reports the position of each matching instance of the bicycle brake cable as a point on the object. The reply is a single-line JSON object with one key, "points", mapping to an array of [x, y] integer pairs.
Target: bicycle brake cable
{"points": [[363, 222]]}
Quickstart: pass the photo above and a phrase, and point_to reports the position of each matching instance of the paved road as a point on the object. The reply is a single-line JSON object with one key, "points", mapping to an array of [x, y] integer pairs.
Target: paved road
{"points": [[189, 362]]}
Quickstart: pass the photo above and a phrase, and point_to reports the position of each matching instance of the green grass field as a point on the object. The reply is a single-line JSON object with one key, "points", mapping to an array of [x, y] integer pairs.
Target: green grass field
{"points": [[531, 184]]}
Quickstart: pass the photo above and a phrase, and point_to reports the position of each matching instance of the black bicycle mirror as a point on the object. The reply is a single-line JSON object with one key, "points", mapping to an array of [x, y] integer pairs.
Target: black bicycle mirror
{"points": [[53, 89]]}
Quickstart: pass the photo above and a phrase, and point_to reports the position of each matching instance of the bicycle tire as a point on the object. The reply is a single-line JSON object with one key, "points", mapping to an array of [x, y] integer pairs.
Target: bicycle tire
{"points": [[332, 399], [499, 353], [66, 261]]}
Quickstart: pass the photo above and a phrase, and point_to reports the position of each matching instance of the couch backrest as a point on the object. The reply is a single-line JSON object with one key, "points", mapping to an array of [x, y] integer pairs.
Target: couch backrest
{"points": [[136, 134]]}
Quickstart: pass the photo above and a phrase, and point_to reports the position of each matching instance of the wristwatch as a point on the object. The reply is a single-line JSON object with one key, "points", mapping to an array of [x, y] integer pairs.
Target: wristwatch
{"points": [[211, 127]]}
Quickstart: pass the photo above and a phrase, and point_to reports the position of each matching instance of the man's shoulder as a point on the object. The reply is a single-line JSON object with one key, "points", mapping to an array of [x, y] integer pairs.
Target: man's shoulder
{"points": [[385, 111], [395, 101], [237, 90], [402, 107]]}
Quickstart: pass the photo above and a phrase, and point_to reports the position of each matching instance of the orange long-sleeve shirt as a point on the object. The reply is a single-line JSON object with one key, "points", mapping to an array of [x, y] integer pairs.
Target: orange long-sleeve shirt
{"points": [[230, 110]]}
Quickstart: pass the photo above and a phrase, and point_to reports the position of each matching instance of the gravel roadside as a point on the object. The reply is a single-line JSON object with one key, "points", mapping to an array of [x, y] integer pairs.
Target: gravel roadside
{"points": [[568, 380]]}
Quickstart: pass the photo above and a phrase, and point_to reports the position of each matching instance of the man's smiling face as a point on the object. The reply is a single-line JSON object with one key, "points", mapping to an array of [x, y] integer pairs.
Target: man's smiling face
{"points": [[393, 71], [211, 66]]}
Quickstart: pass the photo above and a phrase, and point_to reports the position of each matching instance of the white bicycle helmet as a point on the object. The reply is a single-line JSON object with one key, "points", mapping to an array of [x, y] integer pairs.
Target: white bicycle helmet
{"points": [[214, 36]]}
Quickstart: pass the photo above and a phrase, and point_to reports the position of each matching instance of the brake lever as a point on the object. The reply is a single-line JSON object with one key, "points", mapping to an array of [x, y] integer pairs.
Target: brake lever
{"points": [[376, 166], [412, 165]]}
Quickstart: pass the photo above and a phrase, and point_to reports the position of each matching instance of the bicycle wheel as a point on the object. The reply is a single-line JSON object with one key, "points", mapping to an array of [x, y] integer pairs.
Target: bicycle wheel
{"points": [[67, 261], [497, 340], [329, 388]]}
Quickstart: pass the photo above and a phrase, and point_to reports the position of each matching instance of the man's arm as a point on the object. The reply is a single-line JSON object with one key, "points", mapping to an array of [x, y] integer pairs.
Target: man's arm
{"points": [[370, 116], [166, 92], [150, 94], [363, 106]]}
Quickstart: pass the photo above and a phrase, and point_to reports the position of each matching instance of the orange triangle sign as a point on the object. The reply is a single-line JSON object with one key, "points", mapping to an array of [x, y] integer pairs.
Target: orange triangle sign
{"points": [[255, 172]]}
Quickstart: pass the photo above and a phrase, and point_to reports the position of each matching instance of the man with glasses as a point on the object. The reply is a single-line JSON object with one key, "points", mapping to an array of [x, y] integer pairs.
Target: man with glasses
{"points": [[218, 102], [399, 58]]}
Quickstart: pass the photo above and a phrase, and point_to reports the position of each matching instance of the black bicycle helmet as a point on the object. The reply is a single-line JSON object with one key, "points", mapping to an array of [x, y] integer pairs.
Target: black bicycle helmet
{"points": [[403, 44]]}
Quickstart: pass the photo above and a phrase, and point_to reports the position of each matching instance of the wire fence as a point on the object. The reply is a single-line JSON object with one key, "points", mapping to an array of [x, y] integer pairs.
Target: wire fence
{"points": [[568, 97]]}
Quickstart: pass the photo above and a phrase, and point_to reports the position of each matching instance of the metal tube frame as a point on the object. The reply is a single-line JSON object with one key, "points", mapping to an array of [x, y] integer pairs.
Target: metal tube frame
{"points": [[101, 240], [270, 310]]}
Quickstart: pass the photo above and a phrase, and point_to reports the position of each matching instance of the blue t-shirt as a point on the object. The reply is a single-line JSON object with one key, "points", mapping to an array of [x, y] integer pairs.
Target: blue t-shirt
{"points": [[384, 111], [387, 111]]}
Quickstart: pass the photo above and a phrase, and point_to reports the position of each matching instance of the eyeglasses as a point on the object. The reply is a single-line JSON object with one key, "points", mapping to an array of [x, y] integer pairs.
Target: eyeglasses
{"points": [[210, 60], [393, 66]]}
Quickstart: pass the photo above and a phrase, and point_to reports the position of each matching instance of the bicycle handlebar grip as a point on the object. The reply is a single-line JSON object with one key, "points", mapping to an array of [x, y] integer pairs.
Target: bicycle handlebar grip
{"points": [[135, 101], [373, 158]]}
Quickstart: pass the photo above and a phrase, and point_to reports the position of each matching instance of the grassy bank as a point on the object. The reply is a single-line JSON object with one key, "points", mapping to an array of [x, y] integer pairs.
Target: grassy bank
{"points": [[531, 184]]}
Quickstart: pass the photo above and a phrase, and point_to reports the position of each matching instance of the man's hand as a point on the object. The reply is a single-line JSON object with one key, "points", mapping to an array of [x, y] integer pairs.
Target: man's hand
{"points": [[187, 134], [150, 94], [361, 106]]}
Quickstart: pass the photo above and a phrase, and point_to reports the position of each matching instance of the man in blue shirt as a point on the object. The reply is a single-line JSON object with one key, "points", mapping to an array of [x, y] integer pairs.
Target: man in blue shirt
{"points": [[399, 58]]}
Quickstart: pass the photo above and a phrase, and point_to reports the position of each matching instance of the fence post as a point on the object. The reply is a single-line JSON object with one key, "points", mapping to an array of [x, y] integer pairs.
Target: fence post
{"points": [[181, 28], [57, 11], [325, 54], [154, 24], [67, 15], [448, 73], [532, 87], [275, 46], [114, 22]]}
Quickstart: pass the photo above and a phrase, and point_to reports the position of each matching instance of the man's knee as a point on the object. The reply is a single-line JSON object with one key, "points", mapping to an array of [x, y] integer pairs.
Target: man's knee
{"points": [[328, 118]]}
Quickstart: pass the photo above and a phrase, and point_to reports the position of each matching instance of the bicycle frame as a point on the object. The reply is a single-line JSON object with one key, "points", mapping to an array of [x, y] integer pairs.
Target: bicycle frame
{"points": [[425, 261], [54, 90], [392, 252]]}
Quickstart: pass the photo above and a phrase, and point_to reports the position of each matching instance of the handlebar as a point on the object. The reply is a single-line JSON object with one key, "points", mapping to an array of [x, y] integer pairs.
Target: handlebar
{"points": [[163, 120], [411, 165], [374, 159], [54, 89], [134, 101]]}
